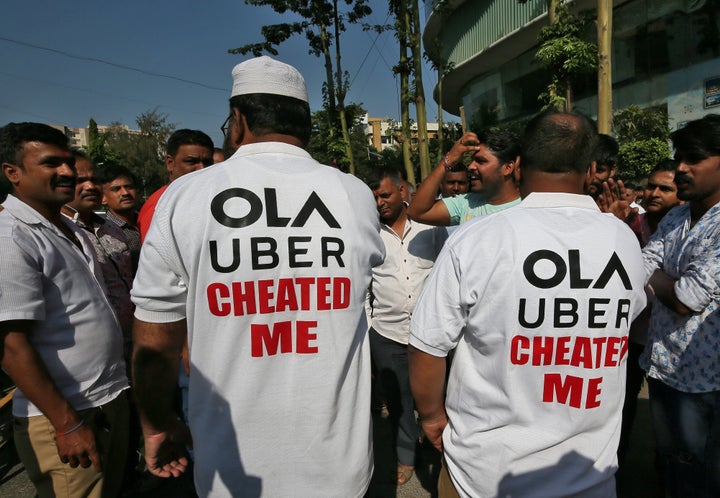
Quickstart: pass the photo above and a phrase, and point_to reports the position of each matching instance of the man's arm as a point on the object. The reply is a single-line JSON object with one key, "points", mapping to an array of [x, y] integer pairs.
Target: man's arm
{"points": [[425, 207], [663, 285], [156, 358], [427, 381], [75, 441]]}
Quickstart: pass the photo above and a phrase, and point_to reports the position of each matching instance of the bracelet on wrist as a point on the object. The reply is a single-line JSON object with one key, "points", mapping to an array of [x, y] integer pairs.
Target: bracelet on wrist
{"points": [[448, 165], [61, 434]]}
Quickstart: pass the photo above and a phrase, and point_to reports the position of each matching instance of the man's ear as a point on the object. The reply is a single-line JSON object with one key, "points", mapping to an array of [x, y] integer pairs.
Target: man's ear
{"points": [[238, 128], [590, 175], [169, 163], [510, 166], [403, 191], [11, 172], [517, 172]]}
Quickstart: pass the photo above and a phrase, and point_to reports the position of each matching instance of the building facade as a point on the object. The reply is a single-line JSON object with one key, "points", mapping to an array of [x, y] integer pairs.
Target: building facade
{"points": [[382, 133], [78, 137], [665, 53]]}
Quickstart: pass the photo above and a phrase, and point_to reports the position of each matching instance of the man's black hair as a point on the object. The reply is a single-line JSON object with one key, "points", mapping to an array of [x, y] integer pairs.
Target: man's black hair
{"points": [[377, 177], [665, 165], [502, 142], [12, 138], [110, 171], [556, 142], [187, 137], [79, 153], [460, 168], [267, 113], [14, 135], [698, 139], [607, 151]]}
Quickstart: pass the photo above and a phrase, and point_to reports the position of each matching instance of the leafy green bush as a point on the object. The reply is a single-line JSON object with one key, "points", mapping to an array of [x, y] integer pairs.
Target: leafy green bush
{"points": [[638, 157]]}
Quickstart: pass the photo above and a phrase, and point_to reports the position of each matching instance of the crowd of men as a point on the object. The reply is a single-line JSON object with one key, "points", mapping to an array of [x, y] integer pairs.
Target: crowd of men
{"points": [[279, 296]]}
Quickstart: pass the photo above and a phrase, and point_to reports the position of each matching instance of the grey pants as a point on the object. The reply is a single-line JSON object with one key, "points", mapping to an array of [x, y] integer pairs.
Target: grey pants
{"points": [[393, 380]]}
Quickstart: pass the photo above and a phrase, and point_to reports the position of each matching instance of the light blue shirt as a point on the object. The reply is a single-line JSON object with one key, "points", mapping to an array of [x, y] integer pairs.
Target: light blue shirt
{"points": [[683, 351], [465, 207]]}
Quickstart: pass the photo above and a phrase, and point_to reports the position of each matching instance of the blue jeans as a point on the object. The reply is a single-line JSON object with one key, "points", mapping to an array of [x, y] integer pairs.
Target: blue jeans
{"points": [[687, 438]]}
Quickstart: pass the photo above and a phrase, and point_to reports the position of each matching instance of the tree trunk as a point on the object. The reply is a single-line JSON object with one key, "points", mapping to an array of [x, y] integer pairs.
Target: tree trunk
{"points": [[552, 10], [552, 6], [568, 97], [329, 81], [340, 93], [440, 132], [404, 70], [604, 35], [416, 49]]}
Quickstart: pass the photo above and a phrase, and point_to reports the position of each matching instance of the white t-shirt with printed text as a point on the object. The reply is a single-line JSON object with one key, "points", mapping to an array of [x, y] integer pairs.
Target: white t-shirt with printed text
{"points": [[538, 300], [268, 255]]}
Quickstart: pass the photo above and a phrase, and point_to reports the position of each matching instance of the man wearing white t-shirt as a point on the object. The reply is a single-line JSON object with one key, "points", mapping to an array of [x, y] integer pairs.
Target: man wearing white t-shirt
{"points": [[537, 301], [262, 262]]}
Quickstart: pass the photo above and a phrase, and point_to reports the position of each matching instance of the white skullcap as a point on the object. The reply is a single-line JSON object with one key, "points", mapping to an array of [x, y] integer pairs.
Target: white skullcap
{"points": [[266, 75]]}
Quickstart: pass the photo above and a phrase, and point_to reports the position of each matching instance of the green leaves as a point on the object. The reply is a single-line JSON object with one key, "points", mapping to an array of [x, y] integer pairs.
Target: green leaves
{"points": [[638, 157], [643, 137]]}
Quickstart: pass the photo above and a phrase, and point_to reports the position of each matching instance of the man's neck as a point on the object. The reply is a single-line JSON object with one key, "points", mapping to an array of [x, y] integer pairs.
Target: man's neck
{"points": [[129, 217], [653, 219], [85, 217], [398, 225], [700, 207], [507, 194]]}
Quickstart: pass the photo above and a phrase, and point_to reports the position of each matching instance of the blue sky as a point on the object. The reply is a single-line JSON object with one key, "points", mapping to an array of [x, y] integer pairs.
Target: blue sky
{"points": [[179, 38]]}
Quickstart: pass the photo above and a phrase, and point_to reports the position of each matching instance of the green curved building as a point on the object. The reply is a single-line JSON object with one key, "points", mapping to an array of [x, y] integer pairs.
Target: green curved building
{"points": [[665, 53]]}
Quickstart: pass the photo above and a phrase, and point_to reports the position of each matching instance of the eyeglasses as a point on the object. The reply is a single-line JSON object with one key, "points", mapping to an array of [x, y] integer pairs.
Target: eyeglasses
{"points": [[226, 125]]}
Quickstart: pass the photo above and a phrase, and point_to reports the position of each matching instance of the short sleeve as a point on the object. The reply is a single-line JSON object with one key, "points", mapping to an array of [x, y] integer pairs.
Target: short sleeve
{"points": [[439, 318], [21, 296]]}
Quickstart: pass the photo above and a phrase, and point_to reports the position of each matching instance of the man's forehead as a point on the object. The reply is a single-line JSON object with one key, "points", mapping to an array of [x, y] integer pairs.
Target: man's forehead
{"points": [[35, 146], [120, 180], [662, 178], [386, 185], [193, 150], [484, 152], [84, 167]]}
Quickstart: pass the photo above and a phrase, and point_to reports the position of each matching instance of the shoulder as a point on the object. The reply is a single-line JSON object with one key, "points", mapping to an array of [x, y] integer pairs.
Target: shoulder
{"points": [[151, 201]]}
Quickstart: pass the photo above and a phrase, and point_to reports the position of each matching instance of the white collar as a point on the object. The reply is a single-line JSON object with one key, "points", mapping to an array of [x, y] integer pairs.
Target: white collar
{"points": [[558, 199], [270, 147]]}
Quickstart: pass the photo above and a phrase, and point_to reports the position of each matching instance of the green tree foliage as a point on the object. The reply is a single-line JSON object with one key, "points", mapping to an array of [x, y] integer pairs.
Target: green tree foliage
{"points": [[96, 143], [638, 157], [321, 23], [142, 152], [636, 123], [329, 149], [643, 137], [566, 55]]}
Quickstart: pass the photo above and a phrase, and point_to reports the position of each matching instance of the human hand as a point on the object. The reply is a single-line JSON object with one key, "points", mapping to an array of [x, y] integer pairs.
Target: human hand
{"points": [[165, 453], [433, 429], [78, 448], [611, 201], [468, 142]]}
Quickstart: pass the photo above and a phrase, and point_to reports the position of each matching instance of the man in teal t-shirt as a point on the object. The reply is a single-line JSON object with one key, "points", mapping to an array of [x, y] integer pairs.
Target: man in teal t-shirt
{"points": [[491, 174]]}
